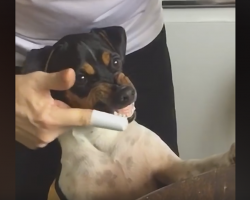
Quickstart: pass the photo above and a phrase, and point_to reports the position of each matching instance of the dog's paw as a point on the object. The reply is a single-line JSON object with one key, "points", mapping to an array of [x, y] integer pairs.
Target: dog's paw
{"points": [[231, 154]]}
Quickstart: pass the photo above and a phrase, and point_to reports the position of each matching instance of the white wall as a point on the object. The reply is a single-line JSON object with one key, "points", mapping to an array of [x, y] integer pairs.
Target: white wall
{"points": [[202, 49]]}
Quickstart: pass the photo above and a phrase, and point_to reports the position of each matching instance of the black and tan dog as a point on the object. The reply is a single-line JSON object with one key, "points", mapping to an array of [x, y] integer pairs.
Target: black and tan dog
{"points": [[100, 164]]}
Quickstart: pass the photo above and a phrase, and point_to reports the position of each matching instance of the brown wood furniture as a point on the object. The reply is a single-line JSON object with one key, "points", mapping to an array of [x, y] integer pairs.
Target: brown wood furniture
{"points": [[214, 185]]}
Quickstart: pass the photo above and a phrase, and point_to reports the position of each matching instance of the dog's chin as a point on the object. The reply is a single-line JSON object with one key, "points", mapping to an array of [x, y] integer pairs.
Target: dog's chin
{"points": [[132, 118]]}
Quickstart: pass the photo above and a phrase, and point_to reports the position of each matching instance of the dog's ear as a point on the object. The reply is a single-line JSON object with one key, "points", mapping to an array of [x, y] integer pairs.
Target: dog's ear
{"points": [[36, 60], [48, 59], [114, 36]]}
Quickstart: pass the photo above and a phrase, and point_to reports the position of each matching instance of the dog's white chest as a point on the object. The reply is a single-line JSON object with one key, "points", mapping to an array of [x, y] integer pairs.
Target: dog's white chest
{"points": [[101, 164]]}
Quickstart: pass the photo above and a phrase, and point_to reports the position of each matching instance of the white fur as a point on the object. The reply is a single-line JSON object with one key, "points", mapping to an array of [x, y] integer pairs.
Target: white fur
{"points": [[99, 164]]}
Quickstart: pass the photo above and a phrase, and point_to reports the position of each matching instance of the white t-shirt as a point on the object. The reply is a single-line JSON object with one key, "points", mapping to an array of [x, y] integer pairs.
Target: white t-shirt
{"points": [[43, 22]]}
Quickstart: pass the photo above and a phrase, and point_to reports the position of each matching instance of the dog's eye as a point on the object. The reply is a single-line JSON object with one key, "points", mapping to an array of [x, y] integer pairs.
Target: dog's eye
{"points": [[116, 62], [80, 79]]}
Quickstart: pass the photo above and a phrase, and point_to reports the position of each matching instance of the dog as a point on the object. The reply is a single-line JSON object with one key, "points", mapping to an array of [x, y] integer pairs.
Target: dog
{"points": [[101, 164]]}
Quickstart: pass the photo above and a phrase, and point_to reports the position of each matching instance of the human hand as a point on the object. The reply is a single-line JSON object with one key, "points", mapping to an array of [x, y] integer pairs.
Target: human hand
{"points": [[40, 119]]}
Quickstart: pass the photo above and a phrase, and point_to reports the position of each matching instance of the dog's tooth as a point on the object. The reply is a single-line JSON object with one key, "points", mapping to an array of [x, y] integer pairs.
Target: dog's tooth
{"points": [[120, 114]]}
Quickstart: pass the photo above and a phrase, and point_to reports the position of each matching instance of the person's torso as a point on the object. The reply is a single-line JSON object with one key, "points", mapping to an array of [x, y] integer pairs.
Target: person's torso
{"points": [[43, 22]]}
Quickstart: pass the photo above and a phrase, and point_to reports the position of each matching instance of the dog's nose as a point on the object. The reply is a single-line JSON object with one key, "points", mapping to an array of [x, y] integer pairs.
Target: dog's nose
{"points": [[125, 95]]}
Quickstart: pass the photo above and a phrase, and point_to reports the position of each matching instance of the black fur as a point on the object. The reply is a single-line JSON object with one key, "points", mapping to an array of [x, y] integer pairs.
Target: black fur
{"points": [[72, 51]]}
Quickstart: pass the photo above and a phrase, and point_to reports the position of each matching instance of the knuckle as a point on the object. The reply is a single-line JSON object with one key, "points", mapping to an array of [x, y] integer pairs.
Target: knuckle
{"points": [[42, 120], [83, 120]]}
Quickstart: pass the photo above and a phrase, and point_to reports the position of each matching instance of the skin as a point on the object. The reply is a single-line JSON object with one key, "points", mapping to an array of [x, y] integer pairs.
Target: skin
{"points": [[39, 118]]}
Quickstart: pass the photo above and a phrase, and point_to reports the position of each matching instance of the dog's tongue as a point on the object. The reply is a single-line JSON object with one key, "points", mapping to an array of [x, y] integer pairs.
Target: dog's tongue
{"points": [[127, 111]]}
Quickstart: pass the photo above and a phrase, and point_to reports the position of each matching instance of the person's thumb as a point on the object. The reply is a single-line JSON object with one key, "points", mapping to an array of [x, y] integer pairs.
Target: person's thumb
{"points": [[62, 80]]}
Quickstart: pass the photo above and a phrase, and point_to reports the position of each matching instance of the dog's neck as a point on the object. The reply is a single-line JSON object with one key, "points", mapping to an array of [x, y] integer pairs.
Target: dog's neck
{"points": [[94, 135], [85, 137]]}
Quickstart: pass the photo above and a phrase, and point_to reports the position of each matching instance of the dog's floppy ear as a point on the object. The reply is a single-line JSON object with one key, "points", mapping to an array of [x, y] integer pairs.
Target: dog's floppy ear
{"points": [[36, 60], [114, 36]]}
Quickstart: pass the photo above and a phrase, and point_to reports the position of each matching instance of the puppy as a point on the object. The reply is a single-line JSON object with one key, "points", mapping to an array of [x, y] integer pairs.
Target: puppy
{"points": [[100, 164]]}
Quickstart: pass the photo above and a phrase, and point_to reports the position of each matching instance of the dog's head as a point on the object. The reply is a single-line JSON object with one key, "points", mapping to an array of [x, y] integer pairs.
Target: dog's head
{"points": [[97, 59]]}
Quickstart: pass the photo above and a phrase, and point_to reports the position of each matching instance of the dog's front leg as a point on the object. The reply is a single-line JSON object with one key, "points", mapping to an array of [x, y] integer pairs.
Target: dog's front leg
{"points": [[179, 169]]}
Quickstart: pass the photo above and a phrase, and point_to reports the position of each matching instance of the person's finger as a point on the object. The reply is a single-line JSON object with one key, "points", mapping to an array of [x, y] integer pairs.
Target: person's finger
{"points": [[61, 104], [62, 80], [71, 116]]}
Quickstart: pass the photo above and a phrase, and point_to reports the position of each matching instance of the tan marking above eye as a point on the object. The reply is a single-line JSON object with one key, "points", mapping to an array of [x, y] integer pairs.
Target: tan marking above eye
{"points": [[88, 69], [106, 58], [123, 80]]}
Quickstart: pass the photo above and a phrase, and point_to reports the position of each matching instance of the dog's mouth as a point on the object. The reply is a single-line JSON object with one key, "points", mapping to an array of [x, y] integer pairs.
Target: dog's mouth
{"points": [[127, 112], [117, 99], [120, 103]]}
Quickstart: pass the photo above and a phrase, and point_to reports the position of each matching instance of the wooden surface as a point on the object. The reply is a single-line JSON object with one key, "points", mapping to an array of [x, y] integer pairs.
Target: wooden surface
{"points": [[215, 185]]}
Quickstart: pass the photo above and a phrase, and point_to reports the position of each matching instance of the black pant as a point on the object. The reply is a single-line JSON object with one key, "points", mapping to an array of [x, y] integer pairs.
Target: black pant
{"points": [[150, 70]]}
